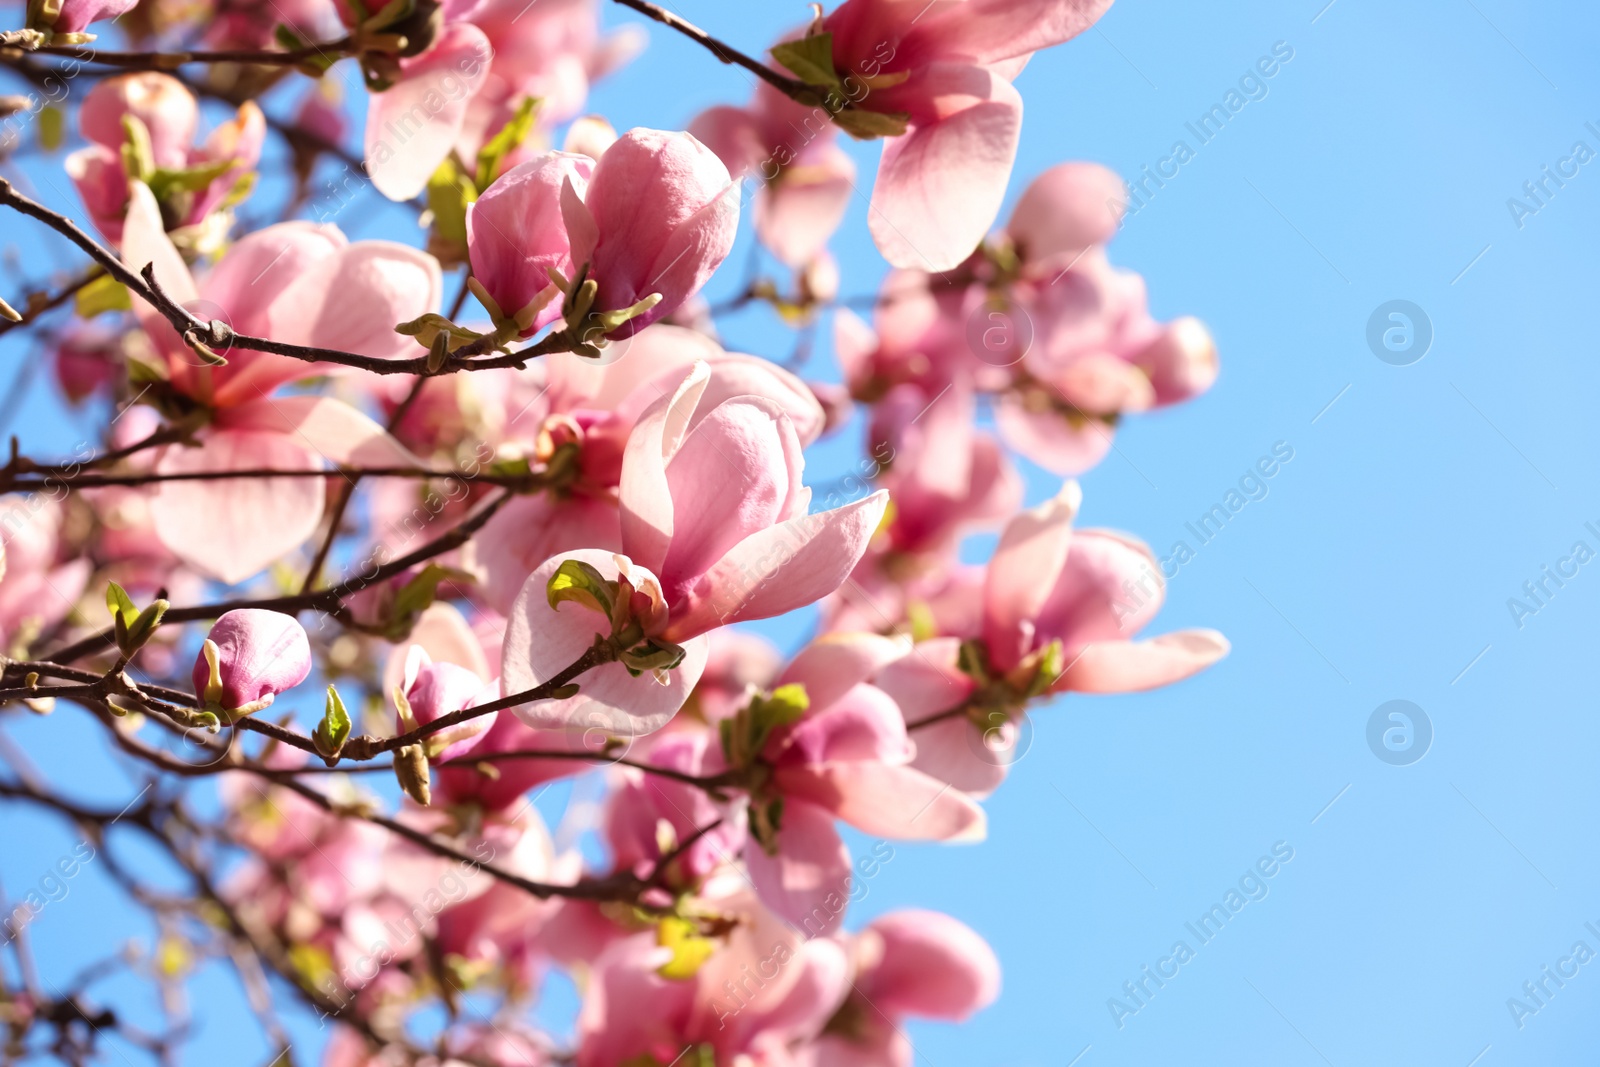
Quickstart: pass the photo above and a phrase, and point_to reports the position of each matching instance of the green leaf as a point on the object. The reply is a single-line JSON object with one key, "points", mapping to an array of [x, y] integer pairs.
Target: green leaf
{"points": [[576, 580], [866, 125], [334, 729], [143, 627], [103, 294], [164, 183], [52, 123], [418, 594], [810, 59], [138, 155], [449, 193], [502, 144], [120, 604]]}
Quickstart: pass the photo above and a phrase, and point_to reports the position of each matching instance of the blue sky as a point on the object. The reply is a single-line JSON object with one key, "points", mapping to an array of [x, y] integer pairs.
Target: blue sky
{"points": [[1378, 165]]}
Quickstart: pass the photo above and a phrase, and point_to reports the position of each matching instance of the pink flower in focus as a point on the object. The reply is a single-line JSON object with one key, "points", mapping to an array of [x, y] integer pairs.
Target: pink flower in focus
{"points": [[715, 530], [659, 216], [516, 237], [433, 690], [1060, 609], [250, 657], [944, 76], [295, 282]]}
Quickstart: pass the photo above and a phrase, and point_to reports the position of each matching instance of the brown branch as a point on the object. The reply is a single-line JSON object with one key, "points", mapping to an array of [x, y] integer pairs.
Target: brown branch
{"points": [[219, 336], [329, 600], [167, 61], [790, 87]]}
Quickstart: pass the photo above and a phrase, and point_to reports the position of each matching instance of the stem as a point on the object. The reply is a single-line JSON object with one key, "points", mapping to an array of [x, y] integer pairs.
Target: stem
{"points": [[173, 60], [790, 87], [148, 289]]}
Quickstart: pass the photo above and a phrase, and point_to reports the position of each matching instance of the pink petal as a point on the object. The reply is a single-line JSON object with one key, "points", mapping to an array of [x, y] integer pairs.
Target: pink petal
{"points": [[542, 641], [953, 750], [808, 881], [412, 126], [353, 301], [797, 214], [888, 800], [927, 964], [1132, 666], [834, 663], [231, 529], [328, 428], [862, 724], [446, 636], [940, 185], [1110, 589], [782, 568], [1022, 572], [531, 529], [647, 514], [988, 31], [1050, 439], [145, 241], [1067, 209], [737, 472]]}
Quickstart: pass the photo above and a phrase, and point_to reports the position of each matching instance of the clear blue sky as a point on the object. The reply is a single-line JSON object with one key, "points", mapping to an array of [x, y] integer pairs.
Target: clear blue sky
{"points": [[1420, 897]]}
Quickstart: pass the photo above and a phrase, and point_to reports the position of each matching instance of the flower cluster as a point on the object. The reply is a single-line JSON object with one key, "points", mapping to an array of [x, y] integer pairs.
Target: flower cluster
{"points": [[517, 541]]}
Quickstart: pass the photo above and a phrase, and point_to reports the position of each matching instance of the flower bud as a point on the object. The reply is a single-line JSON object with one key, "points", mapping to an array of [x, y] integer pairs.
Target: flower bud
{"points": [[434, 690], [249, 658], [161, 102], [516, 237], [659, 217], [411, 769], [1181, 363]]}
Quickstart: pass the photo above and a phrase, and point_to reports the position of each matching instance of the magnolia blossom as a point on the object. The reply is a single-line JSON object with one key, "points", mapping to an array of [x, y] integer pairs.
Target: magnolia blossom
{"points": [[1040, 318], [38, 585], [1060, 610], [150, 119], [939, 83], [714, 531], [250, 657], [431, 691], [806, 179], [296, 282], [462, 90], [848, 758], [74, 16], [907, 964], [657, 219], [589, 411]]}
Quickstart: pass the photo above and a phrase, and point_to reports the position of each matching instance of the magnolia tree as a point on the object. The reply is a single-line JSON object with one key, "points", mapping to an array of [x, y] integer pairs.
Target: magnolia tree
{"points": [[376, 541]]}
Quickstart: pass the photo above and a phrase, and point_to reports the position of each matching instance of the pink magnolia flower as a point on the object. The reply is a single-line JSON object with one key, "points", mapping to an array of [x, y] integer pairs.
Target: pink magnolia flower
{"points": [[250, 657], [649, 816], [807, 179], [763, 992], [1060, 609], [946, 73], [38, 588], [847, 758], [168, 113], [412, 126], [74, 16], [715, 531], [433, 690], [516, 237], [295, 282], [907, 964], [88, 359], [658, 217], [593, 409]]}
